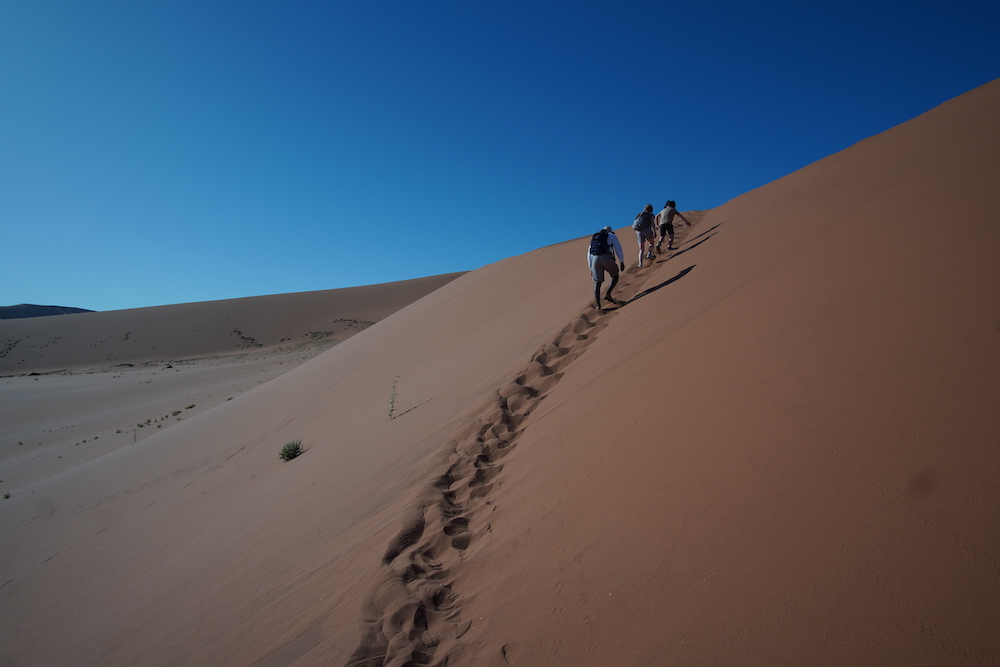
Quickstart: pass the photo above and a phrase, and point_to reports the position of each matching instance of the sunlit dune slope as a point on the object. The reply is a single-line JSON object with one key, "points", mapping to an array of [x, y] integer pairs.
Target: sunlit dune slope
{"points": [[781, 451]]}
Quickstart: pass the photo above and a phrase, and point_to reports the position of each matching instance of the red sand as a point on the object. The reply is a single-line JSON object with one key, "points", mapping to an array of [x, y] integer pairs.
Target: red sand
{"points": [[782, 451]]}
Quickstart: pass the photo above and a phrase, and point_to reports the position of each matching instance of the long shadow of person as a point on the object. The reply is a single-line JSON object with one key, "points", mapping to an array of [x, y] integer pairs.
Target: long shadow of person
{"points": [[690, 247], [661, 285]]}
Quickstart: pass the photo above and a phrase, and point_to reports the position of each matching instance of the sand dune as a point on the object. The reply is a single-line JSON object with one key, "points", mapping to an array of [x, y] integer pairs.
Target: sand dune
{"points": [[156, 367], [161, 333], [32, 310], [781, 451]]}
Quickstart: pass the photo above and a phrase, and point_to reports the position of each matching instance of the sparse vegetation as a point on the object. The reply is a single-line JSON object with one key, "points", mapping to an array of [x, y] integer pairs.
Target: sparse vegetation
{"points": [[7, 347], [357, 324], [392, 396], [6, 496], [346, 323], [246, 341], [189, 407], [290, 450]]}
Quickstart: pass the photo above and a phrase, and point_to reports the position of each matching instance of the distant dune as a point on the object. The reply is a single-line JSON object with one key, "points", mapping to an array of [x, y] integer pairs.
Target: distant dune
{"points": [[198, 329], [79, 388], [782, 450], [31, 310]]}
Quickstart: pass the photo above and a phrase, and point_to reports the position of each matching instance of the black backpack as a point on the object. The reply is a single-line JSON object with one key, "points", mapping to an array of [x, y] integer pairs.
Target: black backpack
{"points": [[599, 243], [643, 221]]}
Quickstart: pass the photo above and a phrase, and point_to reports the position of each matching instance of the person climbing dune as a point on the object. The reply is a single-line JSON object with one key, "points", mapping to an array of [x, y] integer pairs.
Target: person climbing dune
{"points": [[604, 246], [645, 231], [665, 220]]}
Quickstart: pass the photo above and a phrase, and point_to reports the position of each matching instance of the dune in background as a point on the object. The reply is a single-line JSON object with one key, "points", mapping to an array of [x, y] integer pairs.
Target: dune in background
{"points": [[162, 333], [87, 385], [31, 310], [781, 451]]}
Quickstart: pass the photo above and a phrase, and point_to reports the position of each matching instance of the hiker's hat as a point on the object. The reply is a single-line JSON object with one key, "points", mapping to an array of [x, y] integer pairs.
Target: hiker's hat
{"points": [[607, 229]]}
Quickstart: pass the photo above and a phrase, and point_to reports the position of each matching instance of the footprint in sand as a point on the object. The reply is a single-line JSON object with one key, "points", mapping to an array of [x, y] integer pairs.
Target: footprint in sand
{"points": [[414, 616]]}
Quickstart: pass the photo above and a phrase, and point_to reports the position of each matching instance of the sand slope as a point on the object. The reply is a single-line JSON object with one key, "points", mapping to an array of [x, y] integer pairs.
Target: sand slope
{"points": [[199, 329], [781, 451], [32, 310], [158, 366]]}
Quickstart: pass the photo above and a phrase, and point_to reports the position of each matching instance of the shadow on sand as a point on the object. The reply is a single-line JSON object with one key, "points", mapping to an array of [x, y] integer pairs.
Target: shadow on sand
{"points": [[661, 285]]}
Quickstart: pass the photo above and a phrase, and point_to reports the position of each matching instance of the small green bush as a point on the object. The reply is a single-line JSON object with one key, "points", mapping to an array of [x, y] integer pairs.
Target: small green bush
{"points": [[290, 450]]}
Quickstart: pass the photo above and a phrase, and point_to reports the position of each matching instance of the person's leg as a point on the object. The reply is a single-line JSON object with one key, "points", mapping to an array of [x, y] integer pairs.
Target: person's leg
{"points": [[607, 295], [612, 269], [597, 273]]}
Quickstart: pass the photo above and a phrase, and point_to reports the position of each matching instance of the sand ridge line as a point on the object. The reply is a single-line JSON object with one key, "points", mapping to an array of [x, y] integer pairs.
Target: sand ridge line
{"points": [[413, 616]]}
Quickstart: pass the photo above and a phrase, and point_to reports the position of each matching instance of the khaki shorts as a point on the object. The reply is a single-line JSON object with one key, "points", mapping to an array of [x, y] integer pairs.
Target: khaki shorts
{"points": [[601, 263], [644, 234]]}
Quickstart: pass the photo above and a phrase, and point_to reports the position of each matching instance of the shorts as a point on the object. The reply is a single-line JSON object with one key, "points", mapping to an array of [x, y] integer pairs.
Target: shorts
{"points": [[601, 263], [666, 229], [646, 233]]}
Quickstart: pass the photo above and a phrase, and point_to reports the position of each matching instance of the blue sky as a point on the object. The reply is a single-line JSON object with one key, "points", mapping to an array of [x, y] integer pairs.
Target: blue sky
{"points": [[155, 153]]}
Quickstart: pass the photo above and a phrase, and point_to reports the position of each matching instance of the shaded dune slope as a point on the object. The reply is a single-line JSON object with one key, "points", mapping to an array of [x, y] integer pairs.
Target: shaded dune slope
{"points": [[31, 310], [780, 451], [137, 335]]}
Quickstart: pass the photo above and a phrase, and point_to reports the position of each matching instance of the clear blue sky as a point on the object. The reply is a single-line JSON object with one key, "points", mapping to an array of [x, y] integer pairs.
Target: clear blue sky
{"points": [[168, 152]]}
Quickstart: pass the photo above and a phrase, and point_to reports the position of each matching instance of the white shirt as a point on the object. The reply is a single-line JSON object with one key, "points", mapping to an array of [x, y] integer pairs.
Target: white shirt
{"points": [[612, 244]]}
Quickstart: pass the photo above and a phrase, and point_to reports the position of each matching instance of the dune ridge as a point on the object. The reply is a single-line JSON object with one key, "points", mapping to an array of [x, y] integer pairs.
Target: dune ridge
{"points": [[182, 331], [780, 451], [32, 310]]}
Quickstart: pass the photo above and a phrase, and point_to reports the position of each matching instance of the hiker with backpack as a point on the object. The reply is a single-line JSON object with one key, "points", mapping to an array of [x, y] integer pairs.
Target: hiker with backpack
{"points": [[604, 246], [644, 226], [665, 220]]}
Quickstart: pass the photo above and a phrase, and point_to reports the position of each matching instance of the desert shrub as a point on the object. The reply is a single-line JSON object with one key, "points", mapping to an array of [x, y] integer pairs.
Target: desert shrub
{"points": [[392, 397], [290, 450]]}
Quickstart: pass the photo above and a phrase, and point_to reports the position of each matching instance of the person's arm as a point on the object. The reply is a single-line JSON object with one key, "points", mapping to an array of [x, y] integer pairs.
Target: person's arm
{"points": [[683, 218], [618, 249]]}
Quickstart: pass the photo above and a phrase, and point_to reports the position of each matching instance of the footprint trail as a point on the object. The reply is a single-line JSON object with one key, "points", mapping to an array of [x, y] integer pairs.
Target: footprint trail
{"points": [[413, 616]]}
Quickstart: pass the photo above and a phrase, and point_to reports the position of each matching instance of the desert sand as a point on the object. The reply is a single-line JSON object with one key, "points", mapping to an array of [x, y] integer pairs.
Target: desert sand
{"points": [[782, 450], [158, 366]]}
